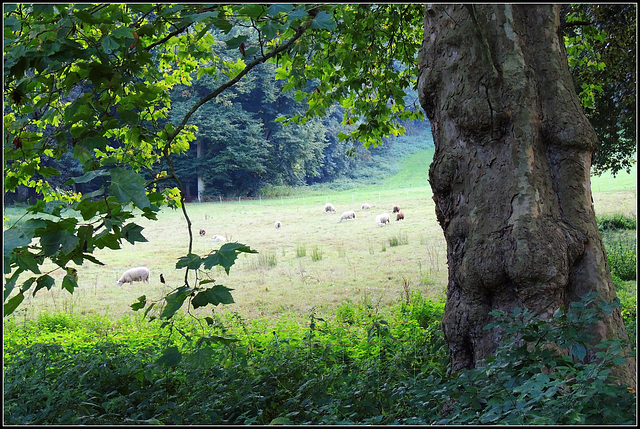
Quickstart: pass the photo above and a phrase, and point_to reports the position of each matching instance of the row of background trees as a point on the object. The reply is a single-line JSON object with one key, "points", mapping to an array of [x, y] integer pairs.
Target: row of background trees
{"points": [[242, 148]]}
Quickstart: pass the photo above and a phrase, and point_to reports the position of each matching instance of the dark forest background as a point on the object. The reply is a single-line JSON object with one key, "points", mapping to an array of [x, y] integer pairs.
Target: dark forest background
{"points": [[243, 149]]}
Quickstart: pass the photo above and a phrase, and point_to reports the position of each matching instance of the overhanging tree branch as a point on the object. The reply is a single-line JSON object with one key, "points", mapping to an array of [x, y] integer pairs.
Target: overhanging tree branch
{"points": [[299, 32]]}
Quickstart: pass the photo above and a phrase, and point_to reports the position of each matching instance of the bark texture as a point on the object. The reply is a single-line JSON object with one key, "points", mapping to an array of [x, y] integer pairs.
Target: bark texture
{"points": [[511, 171]]}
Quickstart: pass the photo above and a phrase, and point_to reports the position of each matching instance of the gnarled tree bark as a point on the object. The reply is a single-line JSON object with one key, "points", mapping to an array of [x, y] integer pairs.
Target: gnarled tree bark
{"points": [[511, 172]]}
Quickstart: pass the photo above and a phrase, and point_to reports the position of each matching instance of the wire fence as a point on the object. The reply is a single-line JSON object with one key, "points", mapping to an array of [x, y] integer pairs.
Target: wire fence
{"points": [[342, 197]]}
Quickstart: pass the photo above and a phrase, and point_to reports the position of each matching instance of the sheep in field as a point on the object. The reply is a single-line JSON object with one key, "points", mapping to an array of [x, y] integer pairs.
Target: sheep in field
{"points": [[366, 206], [396, 209], [400, 216], [382, 219], [138, 274], [329, 208], [203, 233], [219, 238], [348, 215], [277, 224]]}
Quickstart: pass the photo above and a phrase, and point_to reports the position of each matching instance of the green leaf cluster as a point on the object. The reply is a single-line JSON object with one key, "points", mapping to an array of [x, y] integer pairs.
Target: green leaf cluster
{"points": [[601, 45], [545, 372], [367, 64]]}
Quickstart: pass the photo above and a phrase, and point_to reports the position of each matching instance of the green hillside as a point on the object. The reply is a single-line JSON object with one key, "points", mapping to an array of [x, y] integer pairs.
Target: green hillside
{"points": [[623, 181], [414, 172]]}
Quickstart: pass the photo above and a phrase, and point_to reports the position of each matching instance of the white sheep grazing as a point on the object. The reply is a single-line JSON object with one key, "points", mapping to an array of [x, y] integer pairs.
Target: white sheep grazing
{"points": [[348, 215], [277, 224], [329, 208], [138, 274], [366, 206], [219, 238], [382, 218]]}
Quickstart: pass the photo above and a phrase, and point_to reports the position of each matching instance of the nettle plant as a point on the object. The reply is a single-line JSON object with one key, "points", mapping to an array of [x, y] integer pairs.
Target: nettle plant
{"points": [[196, 296]]}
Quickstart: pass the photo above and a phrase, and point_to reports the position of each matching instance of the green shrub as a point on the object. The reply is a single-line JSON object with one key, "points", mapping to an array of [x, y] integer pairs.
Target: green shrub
{"points": [[56, 322], [621, 255], [615, 221], [346, 313], [424, 311], [628, 308], [619, 244], [526, 382]]}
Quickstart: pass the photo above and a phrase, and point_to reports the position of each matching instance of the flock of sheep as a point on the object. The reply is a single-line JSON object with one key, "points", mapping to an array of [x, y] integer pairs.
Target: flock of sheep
{"points": [[141, 274], [381, 220]]}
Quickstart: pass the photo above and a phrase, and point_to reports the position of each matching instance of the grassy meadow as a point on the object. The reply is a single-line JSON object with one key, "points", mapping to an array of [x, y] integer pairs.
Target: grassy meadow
{"points": [[314, 262]]}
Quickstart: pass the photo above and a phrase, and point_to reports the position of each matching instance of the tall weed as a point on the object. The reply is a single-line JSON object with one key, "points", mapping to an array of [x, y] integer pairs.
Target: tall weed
{"points": [[316, 254]]}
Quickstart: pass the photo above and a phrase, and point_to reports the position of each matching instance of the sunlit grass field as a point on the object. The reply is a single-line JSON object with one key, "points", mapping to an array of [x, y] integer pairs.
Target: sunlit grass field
{"points": [[313, 263]]}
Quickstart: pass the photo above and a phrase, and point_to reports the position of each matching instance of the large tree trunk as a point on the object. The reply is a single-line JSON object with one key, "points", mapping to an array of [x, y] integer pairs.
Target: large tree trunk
{"points": [[511, 171]]}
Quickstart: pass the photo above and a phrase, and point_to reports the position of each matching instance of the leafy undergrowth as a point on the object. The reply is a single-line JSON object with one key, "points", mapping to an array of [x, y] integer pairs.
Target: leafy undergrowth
{"points": [[356, 367], [619, 238]]}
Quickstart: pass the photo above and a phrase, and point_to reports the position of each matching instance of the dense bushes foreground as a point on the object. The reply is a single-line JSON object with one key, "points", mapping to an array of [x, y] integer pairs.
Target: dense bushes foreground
{"points": [[357, 368]]}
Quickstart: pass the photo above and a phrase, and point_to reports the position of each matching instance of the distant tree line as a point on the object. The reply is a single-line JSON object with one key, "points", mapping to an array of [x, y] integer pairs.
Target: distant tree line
{"points": [[243, 145]]}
